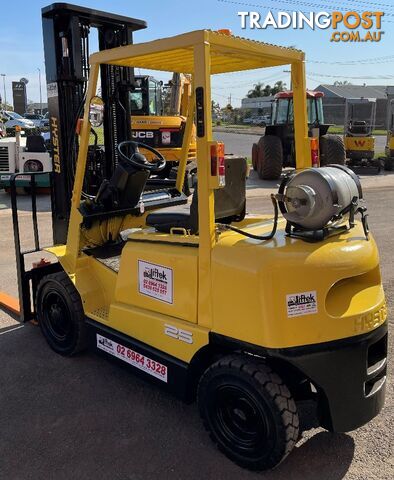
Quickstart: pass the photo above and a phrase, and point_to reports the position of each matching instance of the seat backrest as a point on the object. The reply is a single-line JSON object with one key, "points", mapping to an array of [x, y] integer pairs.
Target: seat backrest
{"points": [[230, 201], [358, 127], [35, 143]]}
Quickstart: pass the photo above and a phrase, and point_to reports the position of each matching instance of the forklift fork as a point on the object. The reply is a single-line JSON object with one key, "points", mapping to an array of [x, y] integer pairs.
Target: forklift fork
{"points": [[27, 279]]}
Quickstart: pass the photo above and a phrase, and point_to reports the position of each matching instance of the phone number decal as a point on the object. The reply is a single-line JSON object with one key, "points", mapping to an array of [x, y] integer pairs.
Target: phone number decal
{"points": [[142, 362]]}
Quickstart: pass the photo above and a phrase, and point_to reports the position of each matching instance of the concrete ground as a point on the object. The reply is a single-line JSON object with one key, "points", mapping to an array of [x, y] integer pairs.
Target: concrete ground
{"points": [[86, 418]]}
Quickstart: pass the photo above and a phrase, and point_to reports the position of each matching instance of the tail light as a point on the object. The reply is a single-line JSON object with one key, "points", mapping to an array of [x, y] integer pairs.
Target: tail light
{"points": [[315, 152], [217, 163]]}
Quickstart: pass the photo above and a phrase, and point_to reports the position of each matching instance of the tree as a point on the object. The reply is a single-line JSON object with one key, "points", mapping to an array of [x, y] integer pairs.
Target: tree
{"points": [[260, 90], [278, 87], [215, 107], [267, 91], [257, 91], [338, 83]]}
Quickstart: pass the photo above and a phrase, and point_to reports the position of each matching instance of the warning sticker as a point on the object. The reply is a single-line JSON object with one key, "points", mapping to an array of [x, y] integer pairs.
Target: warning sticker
{"points": [[142, 362], [155, 281], [303, 303], [52, 90], [165, 137]]}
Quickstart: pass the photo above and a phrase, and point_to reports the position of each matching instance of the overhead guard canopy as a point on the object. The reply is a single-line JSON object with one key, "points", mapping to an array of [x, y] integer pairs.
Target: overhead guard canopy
{"points": [[228, 53]]}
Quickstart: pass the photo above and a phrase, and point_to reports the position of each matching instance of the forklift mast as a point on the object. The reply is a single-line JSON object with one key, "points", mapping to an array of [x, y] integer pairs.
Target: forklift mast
{"points": [[66, 31]]}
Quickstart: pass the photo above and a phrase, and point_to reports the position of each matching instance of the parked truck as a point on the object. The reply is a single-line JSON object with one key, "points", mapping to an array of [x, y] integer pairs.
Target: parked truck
{"points": [[24, 154]]}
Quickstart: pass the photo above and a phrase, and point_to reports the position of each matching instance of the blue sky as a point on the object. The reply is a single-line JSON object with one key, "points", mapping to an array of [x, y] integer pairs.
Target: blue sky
{"points": [[21, 50]]}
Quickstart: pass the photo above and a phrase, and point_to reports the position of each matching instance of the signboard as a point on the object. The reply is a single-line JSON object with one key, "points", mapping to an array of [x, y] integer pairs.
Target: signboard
{"points": [[155, 281], [19, 95]]}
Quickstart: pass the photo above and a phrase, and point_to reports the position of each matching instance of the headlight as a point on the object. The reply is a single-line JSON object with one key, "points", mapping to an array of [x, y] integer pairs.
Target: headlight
{"points": [[33, 166]]}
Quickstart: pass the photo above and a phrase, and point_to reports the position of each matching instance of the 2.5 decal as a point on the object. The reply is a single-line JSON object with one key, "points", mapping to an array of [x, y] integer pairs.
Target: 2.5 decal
{"points": [[178, 333]]}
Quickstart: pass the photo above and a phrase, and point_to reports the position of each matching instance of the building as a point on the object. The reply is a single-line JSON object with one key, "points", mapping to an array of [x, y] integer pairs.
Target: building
{"points": [[35, 108], [257, 105], [335, 97]]}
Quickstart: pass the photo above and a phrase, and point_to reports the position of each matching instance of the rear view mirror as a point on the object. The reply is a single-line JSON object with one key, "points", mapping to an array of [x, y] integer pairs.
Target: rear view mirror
{"points": [[96, 112]]}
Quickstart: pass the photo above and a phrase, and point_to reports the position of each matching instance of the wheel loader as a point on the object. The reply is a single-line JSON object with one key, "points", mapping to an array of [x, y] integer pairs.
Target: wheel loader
{"points": [[249, 315], [161, 129], [152, 124], [276, 150]]}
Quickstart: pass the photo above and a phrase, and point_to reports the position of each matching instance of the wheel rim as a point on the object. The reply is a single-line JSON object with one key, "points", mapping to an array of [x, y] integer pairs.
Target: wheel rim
{"points": [[57, 317], [240, 420]]}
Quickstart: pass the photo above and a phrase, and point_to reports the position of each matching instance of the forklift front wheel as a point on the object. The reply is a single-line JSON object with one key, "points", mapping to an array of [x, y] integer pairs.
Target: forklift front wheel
{"points": [[248, 411], [60, 314]]}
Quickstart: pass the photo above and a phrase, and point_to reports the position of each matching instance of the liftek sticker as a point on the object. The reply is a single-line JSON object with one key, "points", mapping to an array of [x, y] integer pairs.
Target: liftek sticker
{"points": [[299, 304], [137, 360], [155, 281]]}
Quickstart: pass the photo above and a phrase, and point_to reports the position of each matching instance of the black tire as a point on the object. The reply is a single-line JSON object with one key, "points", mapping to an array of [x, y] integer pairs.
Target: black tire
{"points": [[332, 150], [60, 314], [270, 157], [389, 164], [248, 411], [255, 153]]}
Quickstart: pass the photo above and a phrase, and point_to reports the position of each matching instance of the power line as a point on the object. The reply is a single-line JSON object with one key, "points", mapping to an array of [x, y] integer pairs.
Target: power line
{"points": [[336, 7], [363, 77], [368, 3], [362, 61], [247, 4], [226, 96]]}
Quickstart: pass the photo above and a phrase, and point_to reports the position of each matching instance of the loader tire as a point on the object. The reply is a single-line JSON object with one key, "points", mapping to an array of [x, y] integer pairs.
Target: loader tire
{"points": [[270, 157], [255, 153], [60, 314], [249, 411], [332, 150]]}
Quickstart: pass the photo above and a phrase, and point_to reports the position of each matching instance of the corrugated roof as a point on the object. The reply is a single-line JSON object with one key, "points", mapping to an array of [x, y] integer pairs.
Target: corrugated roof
{"points": [[355, 91], [176, 54]]}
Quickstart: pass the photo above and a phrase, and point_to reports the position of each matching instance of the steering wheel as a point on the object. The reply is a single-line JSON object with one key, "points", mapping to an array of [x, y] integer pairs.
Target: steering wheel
{"points": [[138, 160]]}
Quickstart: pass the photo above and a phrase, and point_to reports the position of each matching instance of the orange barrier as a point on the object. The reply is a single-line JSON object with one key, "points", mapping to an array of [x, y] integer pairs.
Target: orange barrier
{"points": [[9, 303]]}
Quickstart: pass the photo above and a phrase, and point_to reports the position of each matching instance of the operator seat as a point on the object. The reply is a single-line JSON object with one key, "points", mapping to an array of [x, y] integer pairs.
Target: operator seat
{"points": [[358, 127], [230, 202]]}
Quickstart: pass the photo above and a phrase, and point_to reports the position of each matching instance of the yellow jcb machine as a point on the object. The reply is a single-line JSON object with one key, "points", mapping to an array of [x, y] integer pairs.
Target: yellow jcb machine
{"points": [[152, 124], [251, 315]]}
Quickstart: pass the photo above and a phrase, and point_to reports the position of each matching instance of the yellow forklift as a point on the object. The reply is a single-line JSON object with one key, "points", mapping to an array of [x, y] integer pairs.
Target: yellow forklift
{"points": [[360, 115], [250, 315]]}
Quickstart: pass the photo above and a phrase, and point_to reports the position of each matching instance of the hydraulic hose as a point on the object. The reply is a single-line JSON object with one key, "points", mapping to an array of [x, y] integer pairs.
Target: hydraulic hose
{"points": [[224, 226]]}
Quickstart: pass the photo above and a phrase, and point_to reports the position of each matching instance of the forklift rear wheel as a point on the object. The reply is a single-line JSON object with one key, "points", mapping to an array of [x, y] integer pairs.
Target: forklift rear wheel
{"points": [[255, 153], [248, 411], [332, 150], [60, 314], [270, 157]]}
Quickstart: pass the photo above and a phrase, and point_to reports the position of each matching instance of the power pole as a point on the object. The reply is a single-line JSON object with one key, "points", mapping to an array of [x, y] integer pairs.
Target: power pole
{"points": [[5, 93], [39, 81]]}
